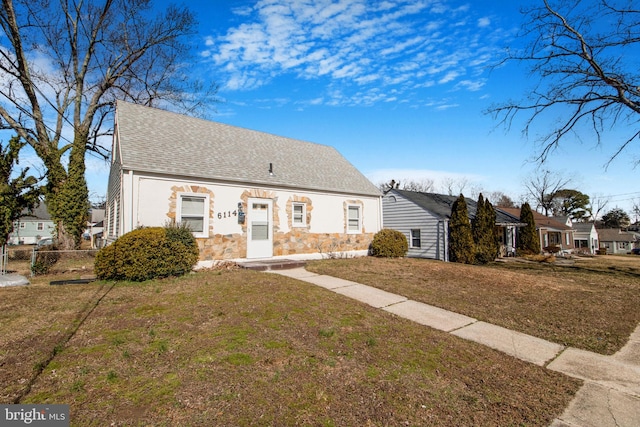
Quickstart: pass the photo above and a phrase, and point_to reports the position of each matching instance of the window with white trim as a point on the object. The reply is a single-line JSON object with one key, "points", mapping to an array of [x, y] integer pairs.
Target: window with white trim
{"points": [[415, 238], [23, 225], [40, 226], [299, 214], [354, 222], [193, 211]]}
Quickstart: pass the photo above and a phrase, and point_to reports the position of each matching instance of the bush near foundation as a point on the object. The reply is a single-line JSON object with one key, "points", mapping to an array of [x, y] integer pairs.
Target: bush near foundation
{"points": [[148, 253], [389, 244]]}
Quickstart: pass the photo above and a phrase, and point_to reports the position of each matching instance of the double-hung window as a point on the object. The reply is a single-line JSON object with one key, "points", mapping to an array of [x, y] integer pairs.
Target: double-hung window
{"points": [[193, 211], [40, 226], [354, 221], [415, 238], [299, 215]]}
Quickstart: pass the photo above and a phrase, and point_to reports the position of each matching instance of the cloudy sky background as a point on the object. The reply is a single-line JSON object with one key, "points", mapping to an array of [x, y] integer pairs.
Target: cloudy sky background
{"points": [[399, 87]]}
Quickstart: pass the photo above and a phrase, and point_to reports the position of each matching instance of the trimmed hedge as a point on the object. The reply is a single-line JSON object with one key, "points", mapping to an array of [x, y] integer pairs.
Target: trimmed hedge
{"points": [[389, 243], [148, 253]]}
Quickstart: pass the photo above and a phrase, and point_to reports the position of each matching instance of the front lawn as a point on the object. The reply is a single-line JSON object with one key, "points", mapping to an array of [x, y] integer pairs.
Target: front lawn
{"points": [[589, 303], [247, 348]]}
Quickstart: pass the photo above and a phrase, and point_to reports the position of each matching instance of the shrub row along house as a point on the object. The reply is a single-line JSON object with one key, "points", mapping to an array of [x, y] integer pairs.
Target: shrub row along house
{"points": [[245, 194]]}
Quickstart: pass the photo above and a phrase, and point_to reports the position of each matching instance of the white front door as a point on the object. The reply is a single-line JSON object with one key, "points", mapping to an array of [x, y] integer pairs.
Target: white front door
{"points": [[260, 229]]}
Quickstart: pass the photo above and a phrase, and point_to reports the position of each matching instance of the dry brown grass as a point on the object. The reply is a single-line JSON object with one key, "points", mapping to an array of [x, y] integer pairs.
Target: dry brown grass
{"points": [[588, 303], [246, 348]]}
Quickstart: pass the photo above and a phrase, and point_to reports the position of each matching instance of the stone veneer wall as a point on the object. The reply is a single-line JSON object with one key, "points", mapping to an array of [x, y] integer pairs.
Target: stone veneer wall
{"points": [[297, 241]]}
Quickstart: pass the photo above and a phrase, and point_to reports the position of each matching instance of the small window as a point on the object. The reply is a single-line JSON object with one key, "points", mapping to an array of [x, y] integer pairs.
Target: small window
{"points": [[40, 226], [23, 225], [353, 219], [299, 215], [192, 213], [415, 238]]}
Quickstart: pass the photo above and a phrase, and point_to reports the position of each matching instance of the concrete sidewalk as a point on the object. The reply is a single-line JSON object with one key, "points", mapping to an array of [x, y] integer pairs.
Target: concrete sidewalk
{"points": [[610, 395]]}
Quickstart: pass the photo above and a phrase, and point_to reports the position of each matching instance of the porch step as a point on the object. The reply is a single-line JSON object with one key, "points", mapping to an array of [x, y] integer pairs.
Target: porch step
{"points": [[272, 264]]}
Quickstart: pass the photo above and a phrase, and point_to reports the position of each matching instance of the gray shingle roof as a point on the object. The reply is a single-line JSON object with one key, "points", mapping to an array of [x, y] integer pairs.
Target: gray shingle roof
{"points": [[441, 204], [615, 235], [158, 141], [40, 212]]}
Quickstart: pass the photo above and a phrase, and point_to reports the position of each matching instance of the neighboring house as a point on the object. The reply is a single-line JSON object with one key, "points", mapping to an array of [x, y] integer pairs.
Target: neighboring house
{"points": [[616, 241], [424, 219], [95, 227], [551, 232], [32, 227], [585, 237], [245, 194]]}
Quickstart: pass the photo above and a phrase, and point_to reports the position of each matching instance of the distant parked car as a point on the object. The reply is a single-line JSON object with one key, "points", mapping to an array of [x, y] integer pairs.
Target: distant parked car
{"points": [[47, 241], [635, 251]]}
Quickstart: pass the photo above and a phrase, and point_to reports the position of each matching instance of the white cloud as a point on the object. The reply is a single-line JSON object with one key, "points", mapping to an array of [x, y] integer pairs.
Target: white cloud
{"points": [[471, 85], [409, 43], [484, 22]]}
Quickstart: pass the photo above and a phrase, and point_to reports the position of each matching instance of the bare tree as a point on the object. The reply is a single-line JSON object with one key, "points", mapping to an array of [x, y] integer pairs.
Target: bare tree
{"points": [[541, 188], [501, 200], [597, 204], [582, 52], [636, 211], [424, 185], [454, 186], [63, 63]]}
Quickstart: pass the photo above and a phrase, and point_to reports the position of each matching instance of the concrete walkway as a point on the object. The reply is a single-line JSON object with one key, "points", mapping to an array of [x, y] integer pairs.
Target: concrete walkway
{"points": [[610, 395]]}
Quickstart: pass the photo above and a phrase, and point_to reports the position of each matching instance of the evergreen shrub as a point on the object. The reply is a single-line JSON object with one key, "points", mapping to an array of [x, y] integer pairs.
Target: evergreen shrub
{"points": [[148, 253], [389, 243], [461, 246], [528, 242]]}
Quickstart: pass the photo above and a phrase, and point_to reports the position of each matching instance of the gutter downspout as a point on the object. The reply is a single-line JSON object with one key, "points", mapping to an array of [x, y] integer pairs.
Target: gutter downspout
{"points": [[131, 198]]}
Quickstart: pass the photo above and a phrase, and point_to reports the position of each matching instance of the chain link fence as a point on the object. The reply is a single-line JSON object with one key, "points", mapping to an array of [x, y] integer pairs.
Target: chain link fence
{"points": [[31, 261]]}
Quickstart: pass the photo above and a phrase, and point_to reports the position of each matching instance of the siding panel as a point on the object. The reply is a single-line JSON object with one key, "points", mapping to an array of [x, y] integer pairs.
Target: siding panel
{"points": [[403, 215]]}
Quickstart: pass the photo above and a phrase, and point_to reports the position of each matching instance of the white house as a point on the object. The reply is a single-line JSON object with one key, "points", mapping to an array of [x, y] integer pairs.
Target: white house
{"points": [[616, 241], [245, 194], [585, 237]]}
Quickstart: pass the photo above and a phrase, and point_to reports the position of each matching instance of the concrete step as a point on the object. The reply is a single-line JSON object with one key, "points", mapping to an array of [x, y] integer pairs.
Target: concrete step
{"points": [[272, 264]]}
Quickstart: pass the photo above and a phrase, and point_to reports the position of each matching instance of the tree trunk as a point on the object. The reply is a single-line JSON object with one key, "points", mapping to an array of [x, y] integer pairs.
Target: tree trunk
{"points": [[67, 196]]}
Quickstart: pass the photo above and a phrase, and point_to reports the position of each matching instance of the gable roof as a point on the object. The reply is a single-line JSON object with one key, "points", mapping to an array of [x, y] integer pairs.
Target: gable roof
{"points": [[583, 227], [158, 141], [615, 235], [542, 221], [39, 213], [440, 205]]}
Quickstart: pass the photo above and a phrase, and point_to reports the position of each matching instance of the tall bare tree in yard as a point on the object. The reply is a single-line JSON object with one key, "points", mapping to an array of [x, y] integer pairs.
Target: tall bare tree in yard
{"points": [[542, 186], [585, 56], [597, 204], [63, 63]]}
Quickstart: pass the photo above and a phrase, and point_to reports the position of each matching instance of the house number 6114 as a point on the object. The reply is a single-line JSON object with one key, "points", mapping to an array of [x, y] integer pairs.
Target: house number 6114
{"points": [[227, 214]]}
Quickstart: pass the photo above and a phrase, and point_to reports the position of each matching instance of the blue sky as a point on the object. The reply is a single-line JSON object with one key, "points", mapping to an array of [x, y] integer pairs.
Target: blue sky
{"points": [[399, 87]]}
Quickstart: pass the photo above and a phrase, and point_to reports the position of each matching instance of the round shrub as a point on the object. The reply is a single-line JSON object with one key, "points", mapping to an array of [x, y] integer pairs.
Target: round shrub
{"points": [[147, 253], [389, 243]]}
